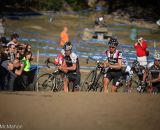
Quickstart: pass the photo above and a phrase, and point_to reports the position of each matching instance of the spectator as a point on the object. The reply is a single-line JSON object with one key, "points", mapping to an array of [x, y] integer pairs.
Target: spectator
{"points": [[64, 36], [11, 52], [141, 52], [18, 67], [28, 48], [3, 54], [26, 61], [14, 40]]}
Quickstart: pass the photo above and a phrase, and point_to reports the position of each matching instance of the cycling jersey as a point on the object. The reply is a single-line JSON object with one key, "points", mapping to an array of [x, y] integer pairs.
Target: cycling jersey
{"points": [[113, 57], [139, 71], [70, 60], [155, 72], [59, 59], [73, 75]]}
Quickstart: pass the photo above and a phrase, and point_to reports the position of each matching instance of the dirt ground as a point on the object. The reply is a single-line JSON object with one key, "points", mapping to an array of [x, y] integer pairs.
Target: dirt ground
{"points": [[82, 111]]}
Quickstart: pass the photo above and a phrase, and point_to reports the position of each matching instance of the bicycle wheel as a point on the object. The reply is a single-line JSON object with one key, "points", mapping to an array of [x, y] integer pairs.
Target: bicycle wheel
{"points": [[45, 82], [58, 83], [88, 82], [99, 84]]}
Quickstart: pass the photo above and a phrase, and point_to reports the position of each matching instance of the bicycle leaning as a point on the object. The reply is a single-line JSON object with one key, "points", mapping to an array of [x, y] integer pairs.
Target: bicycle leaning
{"points": [[94, 80], [49, 81]]}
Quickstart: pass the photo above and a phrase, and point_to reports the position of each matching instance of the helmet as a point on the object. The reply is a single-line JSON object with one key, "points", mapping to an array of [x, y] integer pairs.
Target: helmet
{"points": [[67, 47], [67, 43], [113, 42], [135, 64], [157, 56]]}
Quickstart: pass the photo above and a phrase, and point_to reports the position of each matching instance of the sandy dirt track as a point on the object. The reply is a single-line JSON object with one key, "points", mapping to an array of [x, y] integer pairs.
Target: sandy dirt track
{"points": [[80, 111]]}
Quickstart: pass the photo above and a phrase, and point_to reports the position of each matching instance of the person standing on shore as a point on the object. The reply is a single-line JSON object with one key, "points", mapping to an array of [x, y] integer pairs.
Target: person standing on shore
{"points": [[141, 51], [64, 37]]}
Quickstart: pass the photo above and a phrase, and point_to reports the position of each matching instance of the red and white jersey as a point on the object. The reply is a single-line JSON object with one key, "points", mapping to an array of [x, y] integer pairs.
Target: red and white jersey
{"points": [[59, 59], [113, 57]]}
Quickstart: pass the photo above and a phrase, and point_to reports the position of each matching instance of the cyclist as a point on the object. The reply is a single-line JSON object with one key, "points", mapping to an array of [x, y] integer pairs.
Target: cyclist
{"points": [[70, 67], [60, 58], [114, 62], [155, 74], [137, 78]]}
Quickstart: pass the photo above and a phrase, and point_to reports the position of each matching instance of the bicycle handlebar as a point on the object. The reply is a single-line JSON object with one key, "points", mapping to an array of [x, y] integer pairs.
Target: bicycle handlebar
{"points": [[48, 61]]}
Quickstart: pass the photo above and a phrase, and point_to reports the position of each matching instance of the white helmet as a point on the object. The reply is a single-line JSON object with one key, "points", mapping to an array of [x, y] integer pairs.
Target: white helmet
{"points": [[157, 56]]}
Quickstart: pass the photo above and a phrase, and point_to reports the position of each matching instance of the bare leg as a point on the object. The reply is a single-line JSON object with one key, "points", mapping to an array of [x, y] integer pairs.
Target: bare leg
{"points": [[106, 83], [66, 85]]}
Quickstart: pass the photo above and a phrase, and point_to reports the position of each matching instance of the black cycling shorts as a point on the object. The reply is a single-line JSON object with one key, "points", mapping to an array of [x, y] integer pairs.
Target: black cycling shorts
{"points": [[73, 77], [113, 74]]}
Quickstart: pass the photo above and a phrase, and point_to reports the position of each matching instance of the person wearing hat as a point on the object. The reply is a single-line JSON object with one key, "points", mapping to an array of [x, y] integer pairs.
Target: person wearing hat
{"points": [[114, 65], [71, 68], [141, 51], [155, 74]]}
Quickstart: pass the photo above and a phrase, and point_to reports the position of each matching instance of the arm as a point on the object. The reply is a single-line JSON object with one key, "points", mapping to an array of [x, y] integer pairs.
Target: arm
{"points": [[19, 72], [105, 64], [143, 45], [155, 80], [135, 45], [73, 67]]}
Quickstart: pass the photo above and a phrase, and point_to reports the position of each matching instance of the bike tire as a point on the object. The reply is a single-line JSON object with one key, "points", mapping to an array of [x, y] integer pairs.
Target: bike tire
{"points": [[45, 82], [99, 84], [88, 82], [58, 83]]}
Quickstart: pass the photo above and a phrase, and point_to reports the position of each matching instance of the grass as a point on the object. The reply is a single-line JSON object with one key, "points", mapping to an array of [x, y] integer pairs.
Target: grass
{"points": [[40, 27]]}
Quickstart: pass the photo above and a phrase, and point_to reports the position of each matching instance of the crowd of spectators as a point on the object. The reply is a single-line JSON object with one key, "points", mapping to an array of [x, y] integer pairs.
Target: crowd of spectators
{"points": [[15, 61]]}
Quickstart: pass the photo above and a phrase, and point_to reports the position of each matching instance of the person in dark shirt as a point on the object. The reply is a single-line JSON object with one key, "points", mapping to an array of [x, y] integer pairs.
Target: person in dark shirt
{"points": [[70, 67], [155, 74]]}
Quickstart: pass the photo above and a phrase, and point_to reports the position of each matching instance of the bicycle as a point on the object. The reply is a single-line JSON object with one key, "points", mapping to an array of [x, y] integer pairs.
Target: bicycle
{"points": [[49, 81], [93, 82]]}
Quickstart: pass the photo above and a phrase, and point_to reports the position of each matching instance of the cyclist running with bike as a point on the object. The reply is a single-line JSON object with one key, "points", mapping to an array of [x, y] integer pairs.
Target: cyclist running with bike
{"points": [[114, 63], [155, 74], [70, 67]]}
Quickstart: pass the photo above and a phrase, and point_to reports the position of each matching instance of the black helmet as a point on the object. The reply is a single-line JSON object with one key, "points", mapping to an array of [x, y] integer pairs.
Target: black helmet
{"points": [[67, 47], [68, 43], [135, 64], [113, 42]]}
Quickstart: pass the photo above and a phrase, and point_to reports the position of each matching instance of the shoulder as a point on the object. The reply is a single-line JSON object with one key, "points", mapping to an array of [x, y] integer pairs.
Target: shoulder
{"points": [[73, 55], [150, 65], [10, 43], [107, 52], [119, 53], [62, 33]]}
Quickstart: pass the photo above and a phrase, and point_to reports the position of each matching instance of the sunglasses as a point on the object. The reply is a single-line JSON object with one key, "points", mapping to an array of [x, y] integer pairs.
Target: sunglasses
{"points": [[157, 60], [111, 47]]}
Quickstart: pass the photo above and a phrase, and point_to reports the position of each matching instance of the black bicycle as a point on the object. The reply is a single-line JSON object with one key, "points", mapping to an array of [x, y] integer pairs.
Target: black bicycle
{"points": [[50, 81], [94, 80]]}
